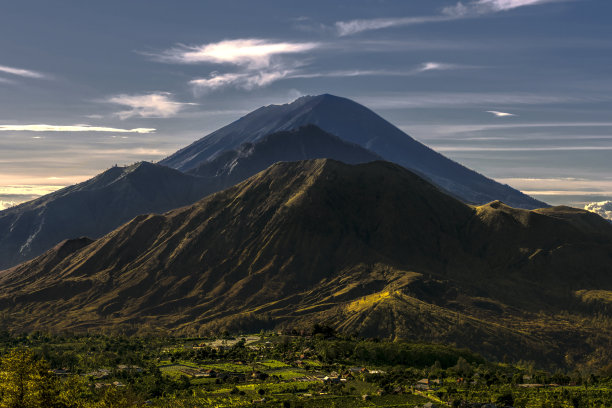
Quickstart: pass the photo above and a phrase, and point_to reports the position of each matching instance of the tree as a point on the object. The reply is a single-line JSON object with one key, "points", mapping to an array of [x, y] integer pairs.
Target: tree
{"points": [[74, 393], [25, 381]]}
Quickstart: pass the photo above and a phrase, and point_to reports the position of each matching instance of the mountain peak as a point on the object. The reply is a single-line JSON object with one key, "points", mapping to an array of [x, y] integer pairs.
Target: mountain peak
{"points": [[353, 123]]}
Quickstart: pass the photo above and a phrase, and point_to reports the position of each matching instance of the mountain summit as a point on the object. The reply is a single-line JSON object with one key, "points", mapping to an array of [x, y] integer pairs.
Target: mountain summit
{"points": [[357, 124]]}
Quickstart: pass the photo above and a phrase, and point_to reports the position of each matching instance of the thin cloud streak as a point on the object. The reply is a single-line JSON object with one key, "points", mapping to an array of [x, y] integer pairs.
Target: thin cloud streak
{"points": [[479, 7], [425, 67], [500, 114], [22, 72], [518, 149], [254, 79], [351, 27], [441, 99], [245, 80], [152, 105], [461, 128], [460, 10], [70, 128], [582, 192]]}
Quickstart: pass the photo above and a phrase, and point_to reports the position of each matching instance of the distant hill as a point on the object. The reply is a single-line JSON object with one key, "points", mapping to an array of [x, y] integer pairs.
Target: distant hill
{"points": [[93, 208], [353, 123], [372, 249]]}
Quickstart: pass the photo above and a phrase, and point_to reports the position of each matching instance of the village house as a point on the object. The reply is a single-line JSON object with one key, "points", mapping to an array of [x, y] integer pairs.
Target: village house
{"points": [[130, 368], [422, 384]]}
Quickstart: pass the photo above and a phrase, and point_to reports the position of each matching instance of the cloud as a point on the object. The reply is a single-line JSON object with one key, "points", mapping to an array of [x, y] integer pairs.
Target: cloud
{"points": [[71, 128], [438, 66], [500, 114], [520, 149], [22, 72], [427, 66], [260, 61], [6, 204], [478, 7], [435, 130], [6, 81], [152, 105], [356, 26], [460, 10], [462, 99], [351, 73], [603, 208], [245, 80], [18, 193], [250, 79], [253, 53]]}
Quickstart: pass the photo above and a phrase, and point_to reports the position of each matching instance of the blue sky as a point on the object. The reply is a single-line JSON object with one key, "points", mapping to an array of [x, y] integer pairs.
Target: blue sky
{"points": [[519, 90]]}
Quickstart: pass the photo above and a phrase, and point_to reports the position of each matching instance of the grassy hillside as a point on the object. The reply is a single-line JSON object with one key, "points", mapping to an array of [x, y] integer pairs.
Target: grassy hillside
{"points": [[370, 249]]}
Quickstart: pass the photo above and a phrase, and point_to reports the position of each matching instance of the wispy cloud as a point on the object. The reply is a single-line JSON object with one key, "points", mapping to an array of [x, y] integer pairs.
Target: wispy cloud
{"points": [[253, 53], [356, 26], [245, 80], [460, 10], [252, 79], [520, 149], [451, 99], [439, 66], [351, 73], [438, 130], [22, 72], [260, 61], [71, 128], [478, 7], [6, 81], [500, 114], [152, 105], [594, 186]]}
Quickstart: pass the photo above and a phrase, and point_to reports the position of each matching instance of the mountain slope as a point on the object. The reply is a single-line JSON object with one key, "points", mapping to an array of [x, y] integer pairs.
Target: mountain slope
{"points": [[354, 123], [372, 249], [99, 205], [303, 143], [93, 208]]}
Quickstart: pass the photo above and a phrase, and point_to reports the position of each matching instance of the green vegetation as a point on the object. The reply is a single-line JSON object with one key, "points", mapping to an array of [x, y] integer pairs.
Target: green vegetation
{"points": [[275, 370]]}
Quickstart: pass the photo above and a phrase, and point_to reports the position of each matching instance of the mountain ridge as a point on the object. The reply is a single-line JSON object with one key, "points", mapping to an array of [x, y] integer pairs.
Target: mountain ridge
{"points": [[98, 205], [93, 208], [351, 245]]}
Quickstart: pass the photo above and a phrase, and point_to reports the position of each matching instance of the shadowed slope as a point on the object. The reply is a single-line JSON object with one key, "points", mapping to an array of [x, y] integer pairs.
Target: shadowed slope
{"points": [[93, 208], [306, 142]]}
